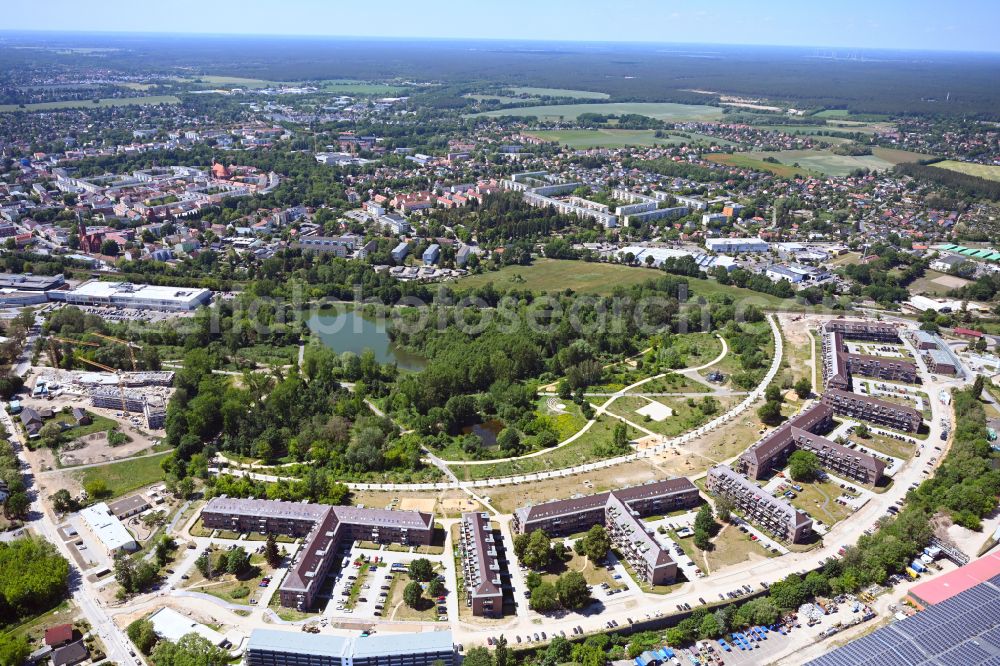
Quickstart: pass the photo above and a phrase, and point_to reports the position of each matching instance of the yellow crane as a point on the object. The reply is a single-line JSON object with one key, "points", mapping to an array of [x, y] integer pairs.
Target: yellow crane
{"points": [[128, 345], [116, 373]]}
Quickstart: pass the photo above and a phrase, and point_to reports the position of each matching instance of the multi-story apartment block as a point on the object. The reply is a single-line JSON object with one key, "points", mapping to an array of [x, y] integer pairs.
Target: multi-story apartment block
{"points": [[867, 408], [619, 511], [839, 365], [480, 550], [772, 514], [873, 331], [799, 432], [324, 528]]}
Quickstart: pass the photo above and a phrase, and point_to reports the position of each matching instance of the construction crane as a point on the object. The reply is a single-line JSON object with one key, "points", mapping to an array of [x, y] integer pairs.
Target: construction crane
{"points": [[128, 345]]}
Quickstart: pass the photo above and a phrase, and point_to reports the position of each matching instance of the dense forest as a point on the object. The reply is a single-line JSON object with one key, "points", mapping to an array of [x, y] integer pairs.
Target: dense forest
{"points": [[966, 186]]}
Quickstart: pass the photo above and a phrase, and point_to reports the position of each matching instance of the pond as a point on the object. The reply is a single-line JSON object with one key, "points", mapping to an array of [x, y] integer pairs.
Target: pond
{"points": [[352, 332], [486, 432]]}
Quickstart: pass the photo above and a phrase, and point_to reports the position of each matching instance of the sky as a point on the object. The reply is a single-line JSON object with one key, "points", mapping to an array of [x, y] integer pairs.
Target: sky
{"points": [[951, 25]]}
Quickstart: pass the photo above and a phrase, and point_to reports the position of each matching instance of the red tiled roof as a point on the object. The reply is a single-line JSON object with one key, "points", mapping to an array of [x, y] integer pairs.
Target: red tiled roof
{"points": [[59, 634]]}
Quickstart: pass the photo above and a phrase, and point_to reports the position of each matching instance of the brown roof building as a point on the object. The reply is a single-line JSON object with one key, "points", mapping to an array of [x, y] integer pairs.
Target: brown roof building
{"points": [[57, 635], [873, 331], [324, 528], [480, 549], [619, 511], [867, 408], [772, 514]]}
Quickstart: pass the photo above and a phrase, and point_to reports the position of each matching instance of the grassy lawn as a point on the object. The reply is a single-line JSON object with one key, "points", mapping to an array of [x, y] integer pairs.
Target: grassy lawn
{"points": [[660, 110], [102, 103], [594, 574], [238, 590], [125, 476], [98, 424], [887, 445], [816, 499], [685, 417], [34, 628], [289, 614], [555, 275], [935, 283], [747, 161], [427, 611], [732, 547], [577, 452], [989, 172], [674, 383]]}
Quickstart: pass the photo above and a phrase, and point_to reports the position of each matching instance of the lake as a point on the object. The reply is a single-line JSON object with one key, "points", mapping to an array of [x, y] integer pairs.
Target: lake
{"points": [[351, 332]]}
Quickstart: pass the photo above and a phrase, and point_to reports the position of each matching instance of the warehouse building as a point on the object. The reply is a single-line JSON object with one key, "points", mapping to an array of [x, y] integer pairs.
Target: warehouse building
{"points": [[108, 529], [480, 550], [324, 529], [774, 515], [733, 245], [269, 647]]}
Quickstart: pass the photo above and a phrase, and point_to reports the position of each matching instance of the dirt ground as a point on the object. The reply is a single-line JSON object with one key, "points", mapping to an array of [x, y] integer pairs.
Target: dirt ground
{"points": [[950, 281], [446, 503], [425, 504]]}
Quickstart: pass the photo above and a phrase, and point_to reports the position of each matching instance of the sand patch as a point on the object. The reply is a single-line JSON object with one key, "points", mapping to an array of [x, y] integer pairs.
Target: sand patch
{"points": [[950, 281], [425, 504], [657, 411]]}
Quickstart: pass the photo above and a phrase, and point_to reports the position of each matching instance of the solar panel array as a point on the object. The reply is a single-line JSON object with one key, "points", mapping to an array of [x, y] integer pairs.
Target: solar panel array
{"points": [[961, 631]]}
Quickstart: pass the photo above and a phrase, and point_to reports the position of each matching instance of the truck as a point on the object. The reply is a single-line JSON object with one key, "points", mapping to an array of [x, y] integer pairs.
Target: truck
{"points": [[918, 566], [911, 573]]}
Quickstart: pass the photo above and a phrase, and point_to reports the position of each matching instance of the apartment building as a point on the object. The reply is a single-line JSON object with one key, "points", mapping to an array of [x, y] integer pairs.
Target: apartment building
{"points": [[480, 550], [872, 331], [324, 528], [620, 512], [839, 365], [774, 515], [270, 647], [867, 408]]}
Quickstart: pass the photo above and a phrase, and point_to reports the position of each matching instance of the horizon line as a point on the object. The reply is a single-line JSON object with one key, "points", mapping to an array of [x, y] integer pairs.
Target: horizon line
{"points": [[304, 36]]}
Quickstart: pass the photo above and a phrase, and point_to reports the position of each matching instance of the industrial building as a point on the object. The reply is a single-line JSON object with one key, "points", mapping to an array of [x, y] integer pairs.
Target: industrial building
{"points": [[800, 433], [269, 647], [324, 529], [867, 408], [137, 296], [480, 550], [620, 512], [772, 514]]}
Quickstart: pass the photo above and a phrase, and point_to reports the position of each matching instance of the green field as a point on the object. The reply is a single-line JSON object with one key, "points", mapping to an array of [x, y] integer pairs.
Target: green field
{"points": [[832, 113], [818, 161], [349, 87], [560, 92], [616, 138], [660, 110], [584, 277], [989, 172], [125, 476], [503, 99], [101, 103]]}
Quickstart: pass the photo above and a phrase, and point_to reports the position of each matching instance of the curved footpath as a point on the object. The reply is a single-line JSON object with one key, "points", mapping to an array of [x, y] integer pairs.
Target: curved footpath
{"points": [[237, 469]]}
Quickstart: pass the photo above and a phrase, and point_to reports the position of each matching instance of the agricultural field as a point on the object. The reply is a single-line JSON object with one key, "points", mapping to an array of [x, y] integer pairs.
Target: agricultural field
{"points": [[105, 102], [660, 110], [560, 92], [619, 138], [502, 99], [554, 275], [987, 171], [818, 161]]}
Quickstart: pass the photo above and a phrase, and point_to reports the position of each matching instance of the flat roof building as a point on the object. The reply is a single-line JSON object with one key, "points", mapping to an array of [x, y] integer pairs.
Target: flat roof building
{"points": [[108, 529], [270, 647], [731, 245], [172, 626], [138, 296]]}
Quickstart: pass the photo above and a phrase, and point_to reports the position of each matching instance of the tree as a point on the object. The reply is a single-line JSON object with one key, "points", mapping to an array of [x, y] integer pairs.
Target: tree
{"points": [[63, 502], [501, 653], [17, 505], [421, 569], [724, 509], [413, 594], [271, 553], [773, 393], [538, 550], [14, 650], [803, 388], [803, 465], [509, 441], [709, 627], [435, 588], [596, 543], [862, 431], [978, 385], [141, 633], [544, 598], [110, 248], [96, 489], [51, 434], [572, 590], [204, 564], [164, 546], [190, 650], [478, 656], [563, 390], [705, 527], [770, 412], [621, 437], [237, 561]]}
